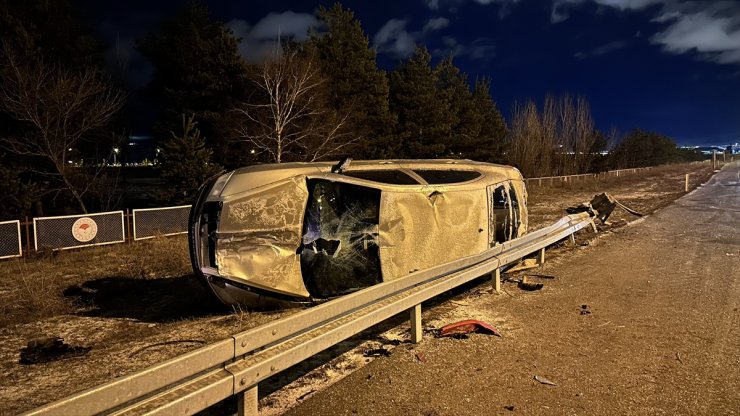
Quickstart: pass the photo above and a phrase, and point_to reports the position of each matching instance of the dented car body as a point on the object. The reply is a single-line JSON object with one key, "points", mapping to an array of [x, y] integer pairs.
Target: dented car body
{"points": [[302, 232]]}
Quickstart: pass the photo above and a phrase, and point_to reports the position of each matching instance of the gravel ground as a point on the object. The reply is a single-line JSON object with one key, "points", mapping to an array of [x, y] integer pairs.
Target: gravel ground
{"points": [[135, 310]]}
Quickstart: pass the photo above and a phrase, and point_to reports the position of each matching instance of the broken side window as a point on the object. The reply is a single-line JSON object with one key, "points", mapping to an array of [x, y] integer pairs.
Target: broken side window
{"points": [[501, 214], [515, 220], [392, 177], [439, 177], [339, 251]]}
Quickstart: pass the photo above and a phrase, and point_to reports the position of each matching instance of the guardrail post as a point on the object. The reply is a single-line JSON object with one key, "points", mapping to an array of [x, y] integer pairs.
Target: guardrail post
{"points": [[247, 402], [541, 256], [496, 277], [416, 324], [686, 183]]}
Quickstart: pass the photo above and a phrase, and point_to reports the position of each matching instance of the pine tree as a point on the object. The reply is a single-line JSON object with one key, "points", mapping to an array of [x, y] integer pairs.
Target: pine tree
{"points": [[355, 82], [464, 120], [197, 70], [186, 163], [492, 134], [423, 120]]}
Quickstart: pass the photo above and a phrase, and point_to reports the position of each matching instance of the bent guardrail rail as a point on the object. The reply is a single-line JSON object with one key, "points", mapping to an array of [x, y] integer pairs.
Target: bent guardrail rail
{"points": [[194, 381]]}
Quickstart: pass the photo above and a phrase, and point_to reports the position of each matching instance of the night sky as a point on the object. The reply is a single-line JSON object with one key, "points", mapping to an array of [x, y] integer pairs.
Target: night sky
{"points": [[664, 65]]}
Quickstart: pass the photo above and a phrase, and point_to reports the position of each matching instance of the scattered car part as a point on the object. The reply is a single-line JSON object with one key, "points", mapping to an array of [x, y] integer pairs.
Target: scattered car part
{"points": [[44, 350], [543, 380], [467, 327], [377, 352], [523, 265], [529, 286], [585, 310], [601, 207]]}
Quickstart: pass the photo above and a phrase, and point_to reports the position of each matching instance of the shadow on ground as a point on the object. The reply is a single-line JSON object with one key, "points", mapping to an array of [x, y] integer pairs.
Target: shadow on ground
{"points": [[149, 300]]}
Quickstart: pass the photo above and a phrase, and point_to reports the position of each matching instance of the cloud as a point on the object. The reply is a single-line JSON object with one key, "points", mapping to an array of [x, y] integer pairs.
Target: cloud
{"points": [[259, 40], [709, 29], [480, 49], [452, 5], [602, 50], [561, 8], [715, 37], [393, 38], [436, 23]]}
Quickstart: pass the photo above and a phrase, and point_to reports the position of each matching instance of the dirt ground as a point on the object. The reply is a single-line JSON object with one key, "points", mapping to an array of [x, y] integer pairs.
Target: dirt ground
{"points": [[138, 304]]}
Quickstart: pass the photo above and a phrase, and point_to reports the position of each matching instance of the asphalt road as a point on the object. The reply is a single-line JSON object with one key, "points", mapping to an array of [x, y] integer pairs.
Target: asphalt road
{"points": [[661, 335]]}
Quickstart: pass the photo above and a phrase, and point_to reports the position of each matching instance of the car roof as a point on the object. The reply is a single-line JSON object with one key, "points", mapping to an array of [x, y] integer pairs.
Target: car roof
{"points": [[250, 177]]}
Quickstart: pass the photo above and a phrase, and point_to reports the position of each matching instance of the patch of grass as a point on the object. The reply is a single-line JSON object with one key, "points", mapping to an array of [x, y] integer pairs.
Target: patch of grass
{"points": [[34, 288]]}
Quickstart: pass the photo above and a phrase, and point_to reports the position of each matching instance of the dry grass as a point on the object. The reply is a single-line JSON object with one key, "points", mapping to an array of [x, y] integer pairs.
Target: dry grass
{"points": [[73, 281], [643, 191]]}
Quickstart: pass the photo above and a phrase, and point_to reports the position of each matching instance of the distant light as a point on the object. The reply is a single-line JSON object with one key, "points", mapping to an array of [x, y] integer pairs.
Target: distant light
{"points": [[252, 151], [115, 149], [70, 162], [132, 144], [70, 149]]}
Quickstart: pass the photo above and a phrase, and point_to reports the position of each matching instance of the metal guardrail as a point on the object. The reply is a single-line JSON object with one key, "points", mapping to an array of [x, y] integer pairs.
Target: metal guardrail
{"points": [[160, 222], [235, 366], [75, 231], [10, 244]]}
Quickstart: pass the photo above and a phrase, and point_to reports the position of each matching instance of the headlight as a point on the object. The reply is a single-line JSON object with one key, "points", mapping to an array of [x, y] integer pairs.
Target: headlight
{"points": [[218, 186]]}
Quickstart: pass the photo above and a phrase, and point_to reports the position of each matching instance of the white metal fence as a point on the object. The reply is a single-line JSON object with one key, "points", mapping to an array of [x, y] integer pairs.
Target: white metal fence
{"points": [[10, 239], [154, 222], [74, 231]]}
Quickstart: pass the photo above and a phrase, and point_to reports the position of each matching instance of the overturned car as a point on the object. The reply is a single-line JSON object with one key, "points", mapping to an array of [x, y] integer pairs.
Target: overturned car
{"points": [[304, 232]]}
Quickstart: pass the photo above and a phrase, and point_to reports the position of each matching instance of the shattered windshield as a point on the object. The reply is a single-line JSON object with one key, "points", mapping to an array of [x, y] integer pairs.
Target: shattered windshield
{"points": [[339, 251]]}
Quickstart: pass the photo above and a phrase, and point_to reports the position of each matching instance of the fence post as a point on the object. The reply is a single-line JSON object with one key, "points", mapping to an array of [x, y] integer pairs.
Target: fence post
{"points": [[28, 235], [686, 183], [129, 217]]}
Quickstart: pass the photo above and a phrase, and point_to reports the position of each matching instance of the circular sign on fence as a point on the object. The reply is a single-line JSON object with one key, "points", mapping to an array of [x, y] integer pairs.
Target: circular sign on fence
{"points": [[84, 229]]}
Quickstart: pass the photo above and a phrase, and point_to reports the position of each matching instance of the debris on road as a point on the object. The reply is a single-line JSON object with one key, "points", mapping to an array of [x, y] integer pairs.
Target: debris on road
{"points": [[601, 207], [524, 284], [305, 395], [542, 276], [585, 310], [523, 265], [543, 380], [421, 357], [44, 350], [466, 327], [509, 408], [377, 352]]}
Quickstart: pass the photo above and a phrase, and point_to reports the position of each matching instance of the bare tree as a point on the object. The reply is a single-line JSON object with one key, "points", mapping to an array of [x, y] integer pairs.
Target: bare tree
{"points": [[584, 136], [531, 146], [59, 106], [288, 117], [556, 141]]}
